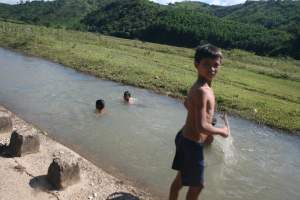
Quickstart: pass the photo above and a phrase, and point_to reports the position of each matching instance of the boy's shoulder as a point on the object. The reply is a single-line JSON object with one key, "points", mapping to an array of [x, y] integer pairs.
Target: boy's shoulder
{"points": [[200, 92]]}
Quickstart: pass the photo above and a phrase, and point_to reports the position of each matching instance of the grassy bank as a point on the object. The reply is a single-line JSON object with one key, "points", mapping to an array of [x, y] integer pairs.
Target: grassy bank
{"points": [[245, 83]]}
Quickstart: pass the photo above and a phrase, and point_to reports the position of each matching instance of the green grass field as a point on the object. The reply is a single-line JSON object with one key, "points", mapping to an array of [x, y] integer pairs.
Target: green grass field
{"points": [[246, 81]]}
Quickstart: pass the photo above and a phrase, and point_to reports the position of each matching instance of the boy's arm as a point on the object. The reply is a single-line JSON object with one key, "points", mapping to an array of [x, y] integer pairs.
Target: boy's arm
{"points": [[201, 99]]}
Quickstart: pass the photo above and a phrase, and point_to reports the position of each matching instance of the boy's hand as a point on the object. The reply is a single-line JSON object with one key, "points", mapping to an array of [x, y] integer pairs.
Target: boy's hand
{"points": [[226, 132], [227, 127]]}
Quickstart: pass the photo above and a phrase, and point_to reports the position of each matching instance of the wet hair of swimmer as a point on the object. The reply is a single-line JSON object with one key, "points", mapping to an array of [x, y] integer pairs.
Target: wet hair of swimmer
{"points": [[127, 95], [214, 121], [100, 104]]}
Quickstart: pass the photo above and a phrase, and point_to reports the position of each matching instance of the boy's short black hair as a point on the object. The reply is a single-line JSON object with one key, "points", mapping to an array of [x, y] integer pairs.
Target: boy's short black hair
{"points": [[100, 104], [127, 94], [207, 51]]}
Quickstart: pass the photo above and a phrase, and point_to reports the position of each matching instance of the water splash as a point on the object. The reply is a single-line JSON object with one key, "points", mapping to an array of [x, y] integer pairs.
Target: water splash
{"points": [[226, 146], [229, 151]]}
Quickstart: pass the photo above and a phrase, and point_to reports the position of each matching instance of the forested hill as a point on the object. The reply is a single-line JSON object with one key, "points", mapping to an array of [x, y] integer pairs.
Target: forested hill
{"points": [[270, 14], [187, 24], [58, 13], [265, 27]]}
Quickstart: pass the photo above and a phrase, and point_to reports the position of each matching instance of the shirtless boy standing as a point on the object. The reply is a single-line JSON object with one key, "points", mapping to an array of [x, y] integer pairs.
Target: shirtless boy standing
{"points": [[198, 128]]}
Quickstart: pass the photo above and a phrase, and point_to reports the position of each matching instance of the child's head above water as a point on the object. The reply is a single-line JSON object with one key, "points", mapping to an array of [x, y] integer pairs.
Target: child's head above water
{"points": [[208, 59], [127, 96], [100, 105]]}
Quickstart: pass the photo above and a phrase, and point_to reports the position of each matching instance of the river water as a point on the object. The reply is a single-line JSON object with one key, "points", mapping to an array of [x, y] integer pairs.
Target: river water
{"points": [[137, 141]]}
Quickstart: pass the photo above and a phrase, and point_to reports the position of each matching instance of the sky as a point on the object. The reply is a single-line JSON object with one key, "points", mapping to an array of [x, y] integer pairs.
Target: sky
{"points": [[215, 2]]}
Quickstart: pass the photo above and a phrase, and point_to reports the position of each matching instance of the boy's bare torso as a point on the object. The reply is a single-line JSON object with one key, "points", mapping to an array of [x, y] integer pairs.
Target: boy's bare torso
{"points": [[192, 103]]}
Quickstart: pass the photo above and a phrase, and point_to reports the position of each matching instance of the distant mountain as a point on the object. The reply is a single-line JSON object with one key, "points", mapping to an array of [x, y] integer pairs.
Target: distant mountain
{"points": [[67, 13], [194, 6], [125, 18], [185, 24], [270, 14], [265, 27]]}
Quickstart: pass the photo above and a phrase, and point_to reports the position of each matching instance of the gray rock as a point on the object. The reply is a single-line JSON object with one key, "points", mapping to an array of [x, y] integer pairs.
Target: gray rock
{"points": [[63, 171], [21, 144], [5, 122]]}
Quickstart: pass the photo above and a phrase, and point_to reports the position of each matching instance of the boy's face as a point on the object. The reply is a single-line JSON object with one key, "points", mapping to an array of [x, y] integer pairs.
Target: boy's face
{"points": [[208, 67]]}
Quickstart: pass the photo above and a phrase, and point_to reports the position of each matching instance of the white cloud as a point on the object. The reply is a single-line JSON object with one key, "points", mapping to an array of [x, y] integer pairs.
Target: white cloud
{"points": [[226, 2], [9, 1], [215, 2], [18, 1]]}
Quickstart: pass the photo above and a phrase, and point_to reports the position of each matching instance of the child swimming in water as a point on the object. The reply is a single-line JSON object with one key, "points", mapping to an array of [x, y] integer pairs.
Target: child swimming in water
{"points": [[127, 97], [100, 106], [198, 128]]}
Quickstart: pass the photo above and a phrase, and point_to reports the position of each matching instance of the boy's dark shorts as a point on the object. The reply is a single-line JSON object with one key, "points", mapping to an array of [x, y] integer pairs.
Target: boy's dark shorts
{"points": [[189, 160]]}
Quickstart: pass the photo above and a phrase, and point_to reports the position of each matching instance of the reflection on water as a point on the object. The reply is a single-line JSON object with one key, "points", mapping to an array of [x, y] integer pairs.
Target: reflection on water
{"points": [[138, 140]]}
